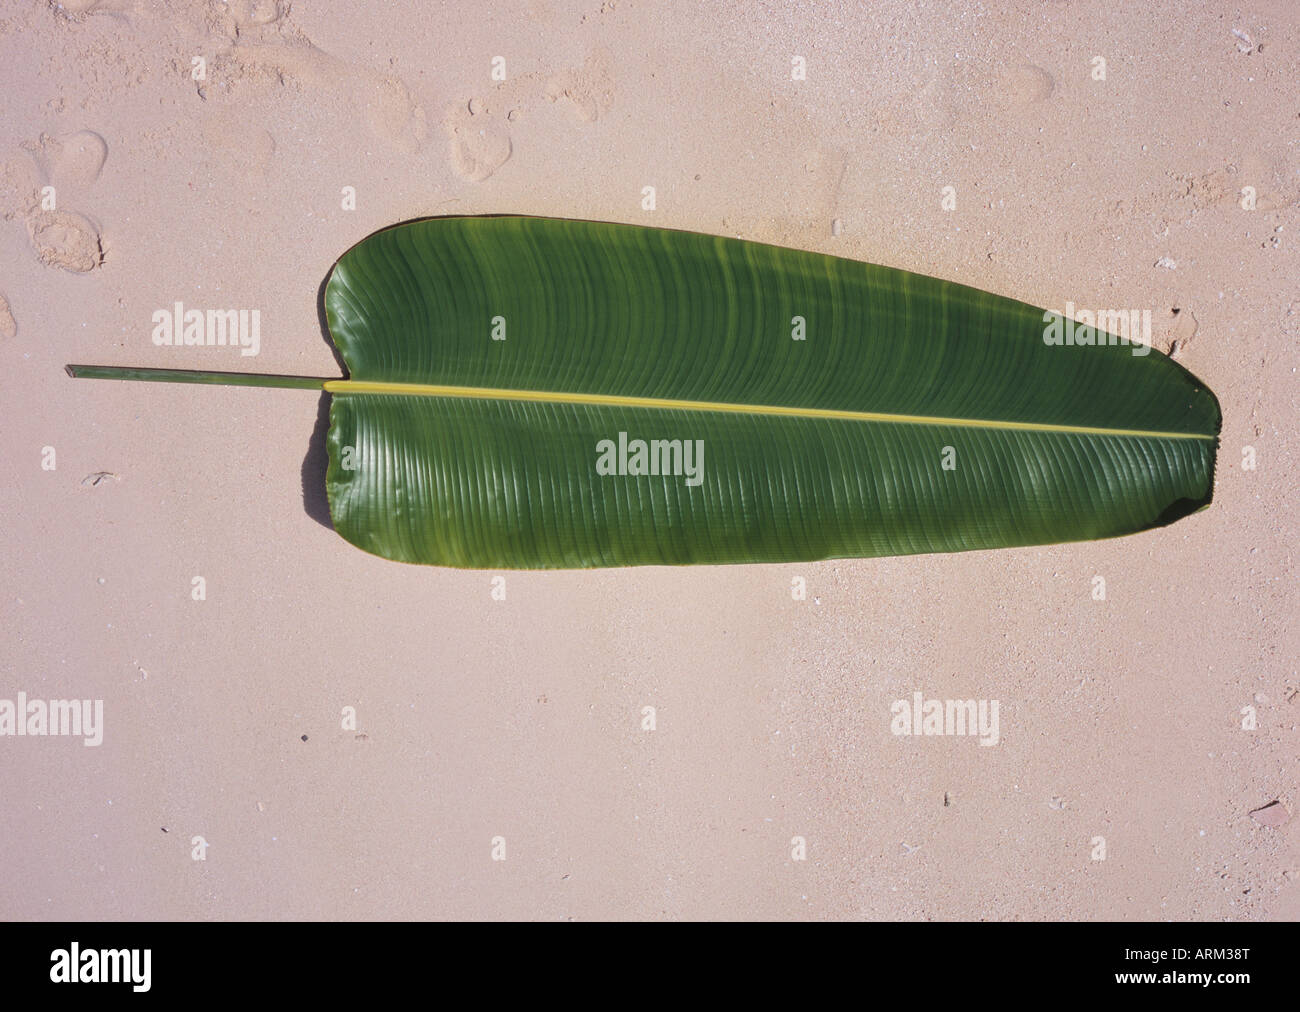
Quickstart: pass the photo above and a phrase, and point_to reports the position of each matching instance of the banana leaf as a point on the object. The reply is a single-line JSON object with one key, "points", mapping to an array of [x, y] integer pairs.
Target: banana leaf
{"points": [[533, 393]]}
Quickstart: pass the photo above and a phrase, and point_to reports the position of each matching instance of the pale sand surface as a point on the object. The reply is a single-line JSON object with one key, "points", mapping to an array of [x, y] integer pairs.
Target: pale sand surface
{"points": [[522, 719]]}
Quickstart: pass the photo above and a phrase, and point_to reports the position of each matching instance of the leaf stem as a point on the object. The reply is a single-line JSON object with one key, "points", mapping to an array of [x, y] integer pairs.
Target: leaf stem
{"points": [[231, 379]]}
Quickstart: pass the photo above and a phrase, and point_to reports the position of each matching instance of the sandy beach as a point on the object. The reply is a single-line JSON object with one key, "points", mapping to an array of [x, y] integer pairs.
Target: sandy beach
{"points": [[292, 728]]}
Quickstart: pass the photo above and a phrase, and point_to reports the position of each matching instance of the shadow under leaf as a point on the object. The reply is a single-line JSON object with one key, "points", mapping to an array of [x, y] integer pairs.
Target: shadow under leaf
{"points": [[315, 464]]}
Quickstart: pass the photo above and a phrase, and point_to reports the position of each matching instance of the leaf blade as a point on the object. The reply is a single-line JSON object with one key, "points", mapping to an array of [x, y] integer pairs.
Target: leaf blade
{"points": [[635, 316]]}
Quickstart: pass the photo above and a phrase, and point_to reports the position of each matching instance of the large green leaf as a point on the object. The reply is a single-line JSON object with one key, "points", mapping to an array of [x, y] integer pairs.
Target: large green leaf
{"points": [[610, 328], [448, 446]]}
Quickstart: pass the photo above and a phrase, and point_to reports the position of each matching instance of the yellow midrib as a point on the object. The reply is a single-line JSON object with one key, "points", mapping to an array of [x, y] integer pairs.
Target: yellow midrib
{"points": [[614, 400]]}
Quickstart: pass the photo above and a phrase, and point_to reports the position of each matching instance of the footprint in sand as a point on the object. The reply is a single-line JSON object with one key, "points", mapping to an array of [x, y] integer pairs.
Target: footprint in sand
{"points": [[590, 87], [8, 325], [65, 239], [265, 46], [1175, 330], [480, 142], [1179, 197], [385, 103], [1024, 85], [72, 162], [933, 107], [478, 129]]}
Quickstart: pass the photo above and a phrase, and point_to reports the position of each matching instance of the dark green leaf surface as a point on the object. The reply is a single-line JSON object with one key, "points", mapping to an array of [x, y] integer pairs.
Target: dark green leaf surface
{"points": [[628, 312]]}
